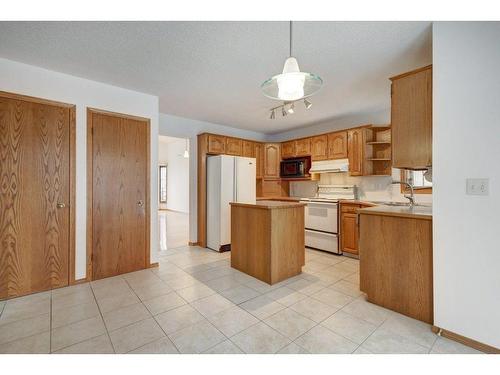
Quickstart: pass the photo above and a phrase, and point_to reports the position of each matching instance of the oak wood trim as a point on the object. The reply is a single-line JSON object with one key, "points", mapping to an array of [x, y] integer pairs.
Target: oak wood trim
{"points": [[33, 99], [414, 71], [154, 265], [465, 340], [193, 243], [72, 195], [90, 185]]}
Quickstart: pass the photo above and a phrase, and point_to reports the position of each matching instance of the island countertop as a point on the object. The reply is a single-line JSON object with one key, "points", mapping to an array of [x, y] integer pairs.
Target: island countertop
{"points": [[269, 204], [415, 212]]}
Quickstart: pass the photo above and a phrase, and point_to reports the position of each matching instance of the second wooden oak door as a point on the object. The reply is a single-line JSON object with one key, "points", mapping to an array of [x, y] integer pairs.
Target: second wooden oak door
{"points": [[119, 194]]}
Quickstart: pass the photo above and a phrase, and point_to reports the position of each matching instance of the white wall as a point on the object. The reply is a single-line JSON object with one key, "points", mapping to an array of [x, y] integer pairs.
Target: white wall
{"points": [[181, 127], [466, 143], [34, 81], [171, 153]]}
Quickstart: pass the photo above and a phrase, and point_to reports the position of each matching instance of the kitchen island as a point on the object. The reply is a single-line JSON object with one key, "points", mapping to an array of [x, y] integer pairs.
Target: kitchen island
{"points": [[395, 251], [267, 239]]}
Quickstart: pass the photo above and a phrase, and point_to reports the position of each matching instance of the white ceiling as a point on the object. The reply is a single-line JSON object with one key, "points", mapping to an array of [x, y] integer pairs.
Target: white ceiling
{"points": [[212, 71]]}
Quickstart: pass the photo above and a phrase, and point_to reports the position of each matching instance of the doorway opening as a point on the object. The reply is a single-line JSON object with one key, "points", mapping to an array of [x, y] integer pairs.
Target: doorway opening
{"points": [[173, 193]]}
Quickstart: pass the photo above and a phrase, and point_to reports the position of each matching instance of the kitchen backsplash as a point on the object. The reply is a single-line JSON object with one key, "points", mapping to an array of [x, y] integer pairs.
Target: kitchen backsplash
{"points": [[370, 188]]}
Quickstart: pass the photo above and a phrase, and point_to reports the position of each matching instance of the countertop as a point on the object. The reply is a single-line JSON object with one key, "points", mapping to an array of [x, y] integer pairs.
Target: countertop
{"points": [[415, 212], [284, 199], [269, 204]]}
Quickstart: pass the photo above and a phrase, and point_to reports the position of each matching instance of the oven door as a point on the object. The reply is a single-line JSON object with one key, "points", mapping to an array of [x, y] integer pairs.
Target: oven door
{"points": [[321, 216]]}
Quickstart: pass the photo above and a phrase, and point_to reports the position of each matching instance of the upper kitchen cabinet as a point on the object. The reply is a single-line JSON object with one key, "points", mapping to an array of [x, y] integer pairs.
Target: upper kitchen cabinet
{"points": [[356, 146], [319, 147], [272, 160], [216, 144], [288, 149], [248, 149], [411, 119], [233, 146], [303, 147], [337, 145], [258, 158]]}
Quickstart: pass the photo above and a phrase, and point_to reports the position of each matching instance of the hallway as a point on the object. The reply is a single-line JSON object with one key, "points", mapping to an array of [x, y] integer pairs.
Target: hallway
{"points": [[174, 229]]}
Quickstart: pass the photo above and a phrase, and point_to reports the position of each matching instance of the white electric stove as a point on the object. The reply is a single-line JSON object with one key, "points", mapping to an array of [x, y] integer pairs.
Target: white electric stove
{"points": [[321, 216]]}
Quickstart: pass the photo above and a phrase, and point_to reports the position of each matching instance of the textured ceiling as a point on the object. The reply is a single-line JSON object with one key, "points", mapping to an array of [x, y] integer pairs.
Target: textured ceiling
{"points": [[212, 71]]}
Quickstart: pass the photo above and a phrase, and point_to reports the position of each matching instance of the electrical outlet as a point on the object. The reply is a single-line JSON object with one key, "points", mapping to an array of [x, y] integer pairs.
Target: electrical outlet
{"points": [[477, 186]]}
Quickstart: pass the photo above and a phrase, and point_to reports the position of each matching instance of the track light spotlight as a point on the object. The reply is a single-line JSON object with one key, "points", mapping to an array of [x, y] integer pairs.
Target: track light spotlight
{"points": [[291, 109], [273, 115], [307, 103], [283, 112]]}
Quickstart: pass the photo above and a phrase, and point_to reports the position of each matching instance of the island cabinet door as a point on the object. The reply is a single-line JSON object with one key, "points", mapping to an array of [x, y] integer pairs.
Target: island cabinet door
{"points": [[349, 233], [319, 147]]}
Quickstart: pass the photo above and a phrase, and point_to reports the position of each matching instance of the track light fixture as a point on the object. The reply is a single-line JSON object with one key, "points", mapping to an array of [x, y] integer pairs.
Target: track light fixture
{"points": [[288, 108]]}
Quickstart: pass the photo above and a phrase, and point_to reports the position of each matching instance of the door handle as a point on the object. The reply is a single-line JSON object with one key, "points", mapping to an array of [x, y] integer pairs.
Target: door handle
{"points": [[61, 205], [140, 203]]}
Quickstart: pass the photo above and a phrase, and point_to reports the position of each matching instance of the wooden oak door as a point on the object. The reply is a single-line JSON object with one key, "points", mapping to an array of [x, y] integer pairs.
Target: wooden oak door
{"points": [[356, 154], [120, 198], [288, 149], [216, 144], [34, 195], [319, 147], [337, 145], [303, 147], [272, 160], [258, 158], [233, 146]]}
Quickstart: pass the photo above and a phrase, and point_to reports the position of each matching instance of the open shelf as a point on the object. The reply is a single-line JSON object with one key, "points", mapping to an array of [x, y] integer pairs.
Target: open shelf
{"points": [[378, 151]]}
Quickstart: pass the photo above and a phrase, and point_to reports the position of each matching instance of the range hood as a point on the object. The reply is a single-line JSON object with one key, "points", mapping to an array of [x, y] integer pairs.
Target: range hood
{"points": [[330, 166]]}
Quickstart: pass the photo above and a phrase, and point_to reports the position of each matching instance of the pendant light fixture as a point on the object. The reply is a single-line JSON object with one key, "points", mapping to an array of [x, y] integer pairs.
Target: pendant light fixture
{"points": [[291, 84]]}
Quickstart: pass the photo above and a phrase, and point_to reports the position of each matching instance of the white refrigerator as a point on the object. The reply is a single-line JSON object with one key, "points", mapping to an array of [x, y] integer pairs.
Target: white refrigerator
{"points": [[229, 179]]}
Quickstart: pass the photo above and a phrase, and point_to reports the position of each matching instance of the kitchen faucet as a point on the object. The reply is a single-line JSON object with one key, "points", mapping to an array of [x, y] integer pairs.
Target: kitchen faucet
{"points": [[411, 198]]}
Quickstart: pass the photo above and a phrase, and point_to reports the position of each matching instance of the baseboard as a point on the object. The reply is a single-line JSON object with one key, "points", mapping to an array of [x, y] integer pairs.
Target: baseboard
{"points": [[465, 340], [79, 281], [193, 243], [153, 265]]}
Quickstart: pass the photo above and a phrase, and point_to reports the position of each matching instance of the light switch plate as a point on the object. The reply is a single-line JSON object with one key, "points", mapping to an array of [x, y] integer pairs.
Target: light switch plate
{"points": [[477, 186]]}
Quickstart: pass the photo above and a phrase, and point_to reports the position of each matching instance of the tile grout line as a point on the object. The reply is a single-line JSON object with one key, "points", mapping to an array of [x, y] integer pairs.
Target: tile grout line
{"points": [[102, 317]]}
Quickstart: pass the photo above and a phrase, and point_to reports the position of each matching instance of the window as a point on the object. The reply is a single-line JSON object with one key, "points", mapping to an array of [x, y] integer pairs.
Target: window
{"points": [[163, 184], [417, 179]]}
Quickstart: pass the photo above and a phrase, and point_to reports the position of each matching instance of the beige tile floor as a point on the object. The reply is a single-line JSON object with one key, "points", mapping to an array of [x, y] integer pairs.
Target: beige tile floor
{"points": [[194, 302]]}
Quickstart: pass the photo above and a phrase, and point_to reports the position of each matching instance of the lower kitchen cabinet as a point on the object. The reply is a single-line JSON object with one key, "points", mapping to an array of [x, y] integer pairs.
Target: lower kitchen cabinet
{"points": [[349, 227], [349, 236]]}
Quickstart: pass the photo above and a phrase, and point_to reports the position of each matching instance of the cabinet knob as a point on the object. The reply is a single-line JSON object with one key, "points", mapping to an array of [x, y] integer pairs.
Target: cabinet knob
{"points": [[61, 205], [140, 203]]}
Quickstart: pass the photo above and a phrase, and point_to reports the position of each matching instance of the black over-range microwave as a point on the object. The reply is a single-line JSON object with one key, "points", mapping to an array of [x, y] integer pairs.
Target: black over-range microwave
{"points": [[295, 168]]}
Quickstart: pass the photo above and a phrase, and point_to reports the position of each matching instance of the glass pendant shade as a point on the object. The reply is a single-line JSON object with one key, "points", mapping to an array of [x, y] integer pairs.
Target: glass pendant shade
{"points": [[291, 84]]}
